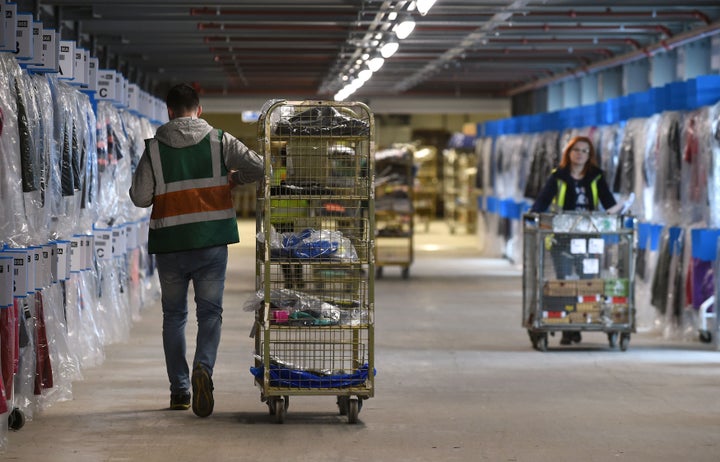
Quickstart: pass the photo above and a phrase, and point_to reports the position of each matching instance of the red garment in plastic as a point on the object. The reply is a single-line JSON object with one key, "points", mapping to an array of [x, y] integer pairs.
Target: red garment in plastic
{"points": [[3, 398], [7, 348], [43, 368]]}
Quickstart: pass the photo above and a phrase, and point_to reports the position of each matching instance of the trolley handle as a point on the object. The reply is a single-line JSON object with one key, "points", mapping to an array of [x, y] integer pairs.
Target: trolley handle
{"points": [[576, 219]]}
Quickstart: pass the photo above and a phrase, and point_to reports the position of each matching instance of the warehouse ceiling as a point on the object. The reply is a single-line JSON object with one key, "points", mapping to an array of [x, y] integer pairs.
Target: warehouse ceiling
{"points": [[304, 48]]}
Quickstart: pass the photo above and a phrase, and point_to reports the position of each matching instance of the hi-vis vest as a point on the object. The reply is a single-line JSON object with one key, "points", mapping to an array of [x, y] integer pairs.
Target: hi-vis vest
{"points": [[192, 206], [559, 199]]}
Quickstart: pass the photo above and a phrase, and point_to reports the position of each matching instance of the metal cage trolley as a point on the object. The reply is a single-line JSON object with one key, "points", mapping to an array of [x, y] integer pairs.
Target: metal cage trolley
{"points": [[314, 322], [578, 276]]}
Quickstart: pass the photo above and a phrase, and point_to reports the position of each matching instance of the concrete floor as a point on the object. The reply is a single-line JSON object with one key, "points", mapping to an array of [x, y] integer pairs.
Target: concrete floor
{"points": [[457, 380]]}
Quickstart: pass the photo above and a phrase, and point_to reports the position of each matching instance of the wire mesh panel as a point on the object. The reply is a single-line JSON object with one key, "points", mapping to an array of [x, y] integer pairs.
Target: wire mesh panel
{"points": [[578, 274], [315, 223]]}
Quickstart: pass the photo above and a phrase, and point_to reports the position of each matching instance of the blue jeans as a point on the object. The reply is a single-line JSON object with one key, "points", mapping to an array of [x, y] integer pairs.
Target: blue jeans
{"points": [[206, 269]]}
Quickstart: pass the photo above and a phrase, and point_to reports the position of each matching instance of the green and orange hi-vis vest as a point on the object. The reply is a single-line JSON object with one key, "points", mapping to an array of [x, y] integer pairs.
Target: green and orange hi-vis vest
{"points": [[192, 206]]}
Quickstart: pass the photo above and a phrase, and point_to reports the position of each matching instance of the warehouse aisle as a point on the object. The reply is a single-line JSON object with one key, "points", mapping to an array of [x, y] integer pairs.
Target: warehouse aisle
{"points": [[457, 380]]}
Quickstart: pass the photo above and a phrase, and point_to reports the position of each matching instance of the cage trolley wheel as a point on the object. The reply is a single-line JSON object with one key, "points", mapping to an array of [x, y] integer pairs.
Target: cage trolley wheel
{"points": [[612, 339], [280, 405], [273, 404], [705, 336], [16, 419], [353, 410], [539, 340], [624, 341], [342, 403]]}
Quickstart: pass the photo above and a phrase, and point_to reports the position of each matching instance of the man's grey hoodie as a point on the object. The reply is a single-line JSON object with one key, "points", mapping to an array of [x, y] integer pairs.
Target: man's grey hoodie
{"points": [[245, 165]]}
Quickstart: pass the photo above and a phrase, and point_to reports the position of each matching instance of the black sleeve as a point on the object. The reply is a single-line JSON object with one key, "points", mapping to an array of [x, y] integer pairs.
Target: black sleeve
{"points": [[605, 195], [546, 196]]}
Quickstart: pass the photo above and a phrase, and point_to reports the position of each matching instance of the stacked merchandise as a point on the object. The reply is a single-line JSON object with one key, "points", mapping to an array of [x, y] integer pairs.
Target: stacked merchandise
{"points": [[459, 171], [425, 189], [63, 295], [394, 208]]}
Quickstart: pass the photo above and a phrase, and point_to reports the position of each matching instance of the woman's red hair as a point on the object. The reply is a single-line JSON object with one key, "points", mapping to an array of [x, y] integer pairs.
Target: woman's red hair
{"points": [[565, 159]]}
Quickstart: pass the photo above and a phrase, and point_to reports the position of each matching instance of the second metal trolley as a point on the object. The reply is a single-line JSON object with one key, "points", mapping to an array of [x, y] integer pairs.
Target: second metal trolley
{"points": [[578, 276], [394, 223], [314, 328]]}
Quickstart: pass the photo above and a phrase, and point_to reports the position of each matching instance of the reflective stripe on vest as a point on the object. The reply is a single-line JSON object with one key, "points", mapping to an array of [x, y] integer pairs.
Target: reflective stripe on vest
{"points": [[190, 200], [562, 191]]}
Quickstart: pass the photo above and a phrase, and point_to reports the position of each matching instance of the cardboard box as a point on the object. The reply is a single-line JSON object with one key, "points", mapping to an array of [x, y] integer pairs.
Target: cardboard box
{"points": [[552, 303], [578, 318], [590, 286], [617, 287], [565, 320], [560, 288], [620, 314], [594, 317], [587, 307]]}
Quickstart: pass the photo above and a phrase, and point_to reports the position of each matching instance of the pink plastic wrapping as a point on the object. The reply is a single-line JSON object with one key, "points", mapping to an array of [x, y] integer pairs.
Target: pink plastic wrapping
{"points": [[714, 170]]}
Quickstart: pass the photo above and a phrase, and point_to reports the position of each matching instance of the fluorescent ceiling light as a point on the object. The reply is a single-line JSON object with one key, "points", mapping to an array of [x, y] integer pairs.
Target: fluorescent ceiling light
{"points": [[423, 6], [389, 48], [376, 63], [405, 27], [364, 75]]}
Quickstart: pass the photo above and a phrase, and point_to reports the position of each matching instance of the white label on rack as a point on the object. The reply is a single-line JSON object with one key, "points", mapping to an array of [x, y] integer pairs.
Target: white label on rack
{"points": [[93, 64], [48, 255], [106, 84], [38, 267], [80, 68], [578, 246], [89, 251], [591, 266], [119, 241], [47, 60], [24, 37], [2, 26], [120, 90], [20, 277], [61, 264], [596, 246], [66, 59], [10, 25], [131, 233], [6, 280], [31, 262], [77, 259], [103, 244], [37, 33]]}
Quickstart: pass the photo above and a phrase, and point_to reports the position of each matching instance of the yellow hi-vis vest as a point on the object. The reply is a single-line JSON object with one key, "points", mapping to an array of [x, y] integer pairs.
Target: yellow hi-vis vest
{"points": [[192, 206], [559, 199]]}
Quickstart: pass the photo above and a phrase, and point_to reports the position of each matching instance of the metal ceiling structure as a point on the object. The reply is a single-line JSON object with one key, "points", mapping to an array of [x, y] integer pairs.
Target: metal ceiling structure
{"points": [[459, 49]]}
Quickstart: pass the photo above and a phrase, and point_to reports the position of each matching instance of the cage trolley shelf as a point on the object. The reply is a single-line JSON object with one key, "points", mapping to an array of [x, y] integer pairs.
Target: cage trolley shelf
{"points": [[578, 276], [314, 322]]}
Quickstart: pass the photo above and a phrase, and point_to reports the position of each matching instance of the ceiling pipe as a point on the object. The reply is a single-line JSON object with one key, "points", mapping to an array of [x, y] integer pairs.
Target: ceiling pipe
{"points": [[587, 27], [214, 26], [574, 42], [344, 14], [646, 52], [608, 13]]}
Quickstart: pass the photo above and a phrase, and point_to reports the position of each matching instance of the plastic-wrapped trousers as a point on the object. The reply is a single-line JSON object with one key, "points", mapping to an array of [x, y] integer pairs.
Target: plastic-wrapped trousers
{"points": [[206, 269], [43, 367]]}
